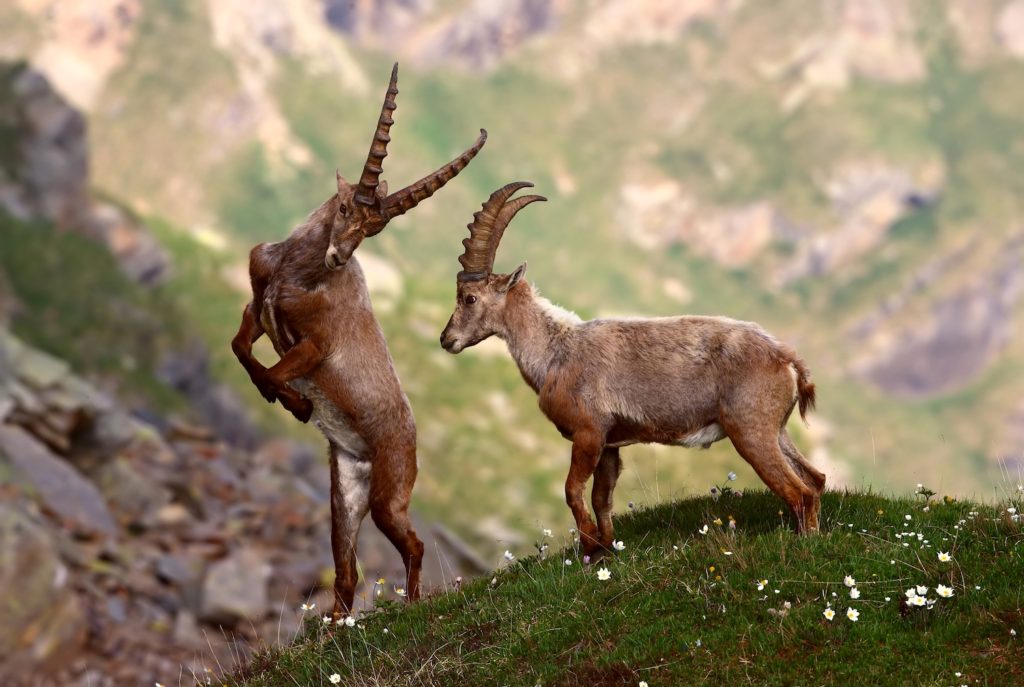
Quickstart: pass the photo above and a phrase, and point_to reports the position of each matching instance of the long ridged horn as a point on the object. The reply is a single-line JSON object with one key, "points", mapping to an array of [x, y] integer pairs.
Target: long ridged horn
{"points": [[400, 202], [366, 191], [487, 228]]}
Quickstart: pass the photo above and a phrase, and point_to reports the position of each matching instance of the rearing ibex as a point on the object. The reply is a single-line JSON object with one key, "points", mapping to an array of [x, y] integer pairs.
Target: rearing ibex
{"points": [[608, 383], [310, 298]]}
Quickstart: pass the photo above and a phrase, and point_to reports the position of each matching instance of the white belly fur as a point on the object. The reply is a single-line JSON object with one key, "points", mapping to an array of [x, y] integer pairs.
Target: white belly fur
{"points": [[703, 437]]}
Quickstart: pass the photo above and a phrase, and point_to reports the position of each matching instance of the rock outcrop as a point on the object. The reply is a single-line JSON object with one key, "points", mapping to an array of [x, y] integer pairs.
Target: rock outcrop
{"points": [[43, 621], [1010, 28], [658, 213], [128, 551], [946, 347], [868, 197], [44, 173]]}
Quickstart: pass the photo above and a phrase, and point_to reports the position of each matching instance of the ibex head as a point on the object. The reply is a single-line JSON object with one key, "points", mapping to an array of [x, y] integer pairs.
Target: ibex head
{"points": [[365, 208], [480, 294]]}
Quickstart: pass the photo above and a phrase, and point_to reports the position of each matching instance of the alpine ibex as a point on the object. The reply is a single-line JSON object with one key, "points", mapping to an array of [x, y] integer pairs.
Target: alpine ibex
{"points": [[609, 383], [310, 298]]}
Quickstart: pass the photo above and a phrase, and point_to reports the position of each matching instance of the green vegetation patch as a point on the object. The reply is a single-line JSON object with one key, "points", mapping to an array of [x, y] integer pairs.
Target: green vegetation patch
{"points": [[894, 591]]}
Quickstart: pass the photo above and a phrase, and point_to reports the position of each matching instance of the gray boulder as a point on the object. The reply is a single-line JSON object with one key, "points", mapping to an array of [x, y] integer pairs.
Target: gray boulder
{"points": [[235, 588], [43, 624], [60, 489]]}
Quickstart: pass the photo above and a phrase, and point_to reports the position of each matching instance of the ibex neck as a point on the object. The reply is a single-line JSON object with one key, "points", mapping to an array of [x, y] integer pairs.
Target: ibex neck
{"points": [[536, 332]]}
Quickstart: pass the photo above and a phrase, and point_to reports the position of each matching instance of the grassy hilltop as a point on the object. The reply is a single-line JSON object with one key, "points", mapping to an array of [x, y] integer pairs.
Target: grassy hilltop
{"points": [[717, 606]]}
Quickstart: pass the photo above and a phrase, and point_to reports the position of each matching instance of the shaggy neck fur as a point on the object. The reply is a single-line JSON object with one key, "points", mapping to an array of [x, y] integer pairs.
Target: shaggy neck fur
{"points": [[304, 249], [536, 331]]}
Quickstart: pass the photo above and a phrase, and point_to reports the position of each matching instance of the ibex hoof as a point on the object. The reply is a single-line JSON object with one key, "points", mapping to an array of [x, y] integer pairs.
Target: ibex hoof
{"points": [[301, 408]]}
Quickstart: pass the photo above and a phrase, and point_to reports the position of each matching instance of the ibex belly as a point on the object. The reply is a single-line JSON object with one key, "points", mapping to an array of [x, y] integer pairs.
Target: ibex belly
{"points": [[331, 422], [703, 438]]}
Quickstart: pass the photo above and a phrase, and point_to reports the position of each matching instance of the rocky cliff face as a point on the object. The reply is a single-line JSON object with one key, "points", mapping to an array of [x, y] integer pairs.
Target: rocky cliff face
{"points": [[44, 173]]}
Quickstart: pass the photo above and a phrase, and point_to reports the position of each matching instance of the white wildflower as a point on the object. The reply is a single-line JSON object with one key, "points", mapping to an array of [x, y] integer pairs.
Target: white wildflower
{"points": [[604, 574], [853, 614]]}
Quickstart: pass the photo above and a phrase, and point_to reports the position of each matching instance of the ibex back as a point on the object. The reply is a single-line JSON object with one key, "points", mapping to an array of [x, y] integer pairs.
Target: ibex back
{"points": [[605, 384], [310, 298]]}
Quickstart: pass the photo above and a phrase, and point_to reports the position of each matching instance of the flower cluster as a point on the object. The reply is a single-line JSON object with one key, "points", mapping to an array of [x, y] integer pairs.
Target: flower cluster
{"points": [[724, 489]]}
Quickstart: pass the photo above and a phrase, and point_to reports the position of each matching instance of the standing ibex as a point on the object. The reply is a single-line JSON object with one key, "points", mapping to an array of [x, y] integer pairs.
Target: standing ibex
{"points": [[310, 298], [609, 383]]}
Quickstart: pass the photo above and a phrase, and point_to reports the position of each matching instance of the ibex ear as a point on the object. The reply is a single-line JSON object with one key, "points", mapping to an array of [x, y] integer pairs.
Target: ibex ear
{"points": [[342, 184], [382, 190], [506, 284]]}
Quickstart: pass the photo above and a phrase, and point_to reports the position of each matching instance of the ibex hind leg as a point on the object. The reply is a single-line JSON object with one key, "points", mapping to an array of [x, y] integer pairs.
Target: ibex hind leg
{"points": [[391, 482], [811, 476], [759, 446], [350, 496]]}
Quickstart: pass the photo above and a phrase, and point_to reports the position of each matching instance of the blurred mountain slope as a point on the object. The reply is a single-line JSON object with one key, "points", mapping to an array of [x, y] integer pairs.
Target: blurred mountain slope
{"points": [[845, 173]]}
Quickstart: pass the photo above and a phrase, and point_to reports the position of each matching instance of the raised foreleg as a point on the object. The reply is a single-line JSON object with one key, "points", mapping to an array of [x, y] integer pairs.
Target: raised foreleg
{"points": [[300, 360], [248, 332]]}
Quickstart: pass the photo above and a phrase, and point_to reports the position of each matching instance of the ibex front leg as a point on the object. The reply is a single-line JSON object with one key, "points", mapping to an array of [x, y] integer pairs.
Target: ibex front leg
{"points": [[605, 477], [248, 332], [586, 451], [300, 360]]}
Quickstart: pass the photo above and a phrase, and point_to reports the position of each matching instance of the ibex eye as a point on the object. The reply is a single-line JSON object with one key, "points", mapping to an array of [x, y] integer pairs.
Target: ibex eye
{"points": [[470, 300]]}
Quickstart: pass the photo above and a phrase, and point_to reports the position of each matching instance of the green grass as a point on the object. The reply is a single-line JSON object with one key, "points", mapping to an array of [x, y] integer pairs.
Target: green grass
{"points": [[679, 610], [76, 303]]}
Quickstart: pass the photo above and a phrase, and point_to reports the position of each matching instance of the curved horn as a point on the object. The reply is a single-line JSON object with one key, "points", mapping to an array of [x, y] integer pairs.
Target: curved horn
{"points": [[366, 191], [487, 228], [400, 202]]}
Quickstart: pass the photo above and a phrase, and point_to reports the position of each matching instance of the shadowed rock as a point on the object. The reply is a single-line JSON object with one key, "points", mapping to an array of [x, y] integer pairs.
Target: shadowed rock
{"points": [[59, 487]]}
